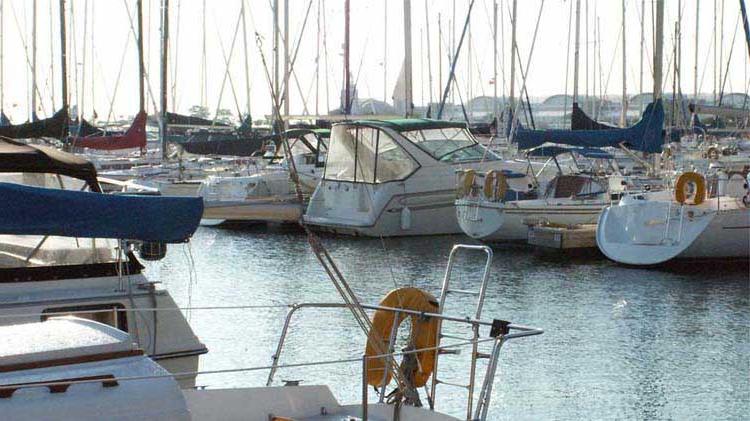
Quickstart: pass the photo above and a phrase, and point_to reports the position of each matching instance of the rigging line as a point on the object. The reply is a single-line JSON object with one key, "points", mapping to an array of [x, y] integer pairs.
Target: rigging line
{"points": [[567, 64], [293, 60], [338, 280], [729, 59], [231, 82], [135, 37], [26, 49], [514, 117], [611, 66], [117, 81], [175, 60], [226, 71]]}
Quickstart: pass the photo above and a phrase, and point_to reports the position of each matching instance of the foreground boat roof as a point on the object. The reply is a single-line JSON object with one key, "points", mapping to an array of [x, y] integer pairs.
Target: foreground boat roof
{"points": [[408, 124], [20, 157]]}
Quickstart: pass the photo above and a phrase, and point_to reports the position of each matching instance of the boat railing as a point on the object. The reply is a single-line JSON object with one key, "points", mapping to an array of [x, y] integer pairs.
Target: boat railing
{"points": [[500, 332]]}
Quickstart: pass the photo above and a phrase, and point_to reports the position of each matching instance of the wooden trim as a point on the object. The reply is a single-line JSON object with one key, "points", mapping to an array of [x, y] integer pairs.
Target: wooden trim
{"points": [[60, 386], [70, 360]]}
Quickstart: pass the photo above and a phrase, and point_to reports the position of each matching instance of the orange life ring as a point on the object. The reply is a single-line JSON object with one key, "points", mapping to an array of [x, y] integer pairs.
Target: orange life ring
{"points": [[424, 334], [713, 153], [465, 183], [681, 188], [495, 185]]}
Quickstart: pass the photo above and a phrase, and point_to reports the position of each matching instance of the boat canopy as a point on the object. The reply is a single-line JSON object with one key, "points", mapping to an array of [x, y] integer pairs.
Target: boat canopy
{"points": [[408, 124], [552, 150], [27, 210], [186, 120], [20, 157], [366, 154], [55, 126], [644, 136]]}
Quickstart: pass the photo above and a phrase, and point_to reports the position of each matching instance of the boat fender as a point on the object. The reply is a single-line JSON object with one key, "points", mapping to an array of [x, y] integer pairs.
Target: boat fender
{"points": [[424, 334], [405, 218], [495, 186], [681, 188], [465, 183]]}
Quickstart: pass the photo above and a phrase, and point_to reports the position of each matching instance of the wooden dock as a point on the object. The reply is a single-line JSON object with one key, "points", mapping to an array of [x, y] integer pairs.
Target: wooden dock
{"points": [[287, 210], [563, 237]]}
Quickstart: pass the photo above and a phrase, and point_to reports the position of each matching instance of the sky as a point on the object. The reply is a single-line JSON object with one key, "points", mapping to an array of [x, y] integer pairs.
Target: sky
{"points": [[102, 51]]}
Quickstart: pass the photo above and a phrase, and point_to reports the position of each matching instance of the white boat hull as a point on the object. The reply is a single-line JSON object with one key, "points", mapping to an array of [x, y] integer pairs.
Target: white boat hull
{"points": [[639, 233], [497, 222]]}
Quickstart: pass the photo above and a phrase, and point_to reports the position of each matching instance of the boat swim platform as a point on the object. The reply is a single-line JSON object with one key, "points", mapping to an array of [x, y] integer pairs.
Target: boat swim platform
{"points": [[558, 237]]}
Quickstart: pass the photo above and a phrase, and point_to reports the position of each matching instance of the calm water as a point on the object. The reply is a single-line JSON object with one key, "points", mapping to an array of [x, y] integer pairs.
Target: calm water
{"points": [[619, 343]]}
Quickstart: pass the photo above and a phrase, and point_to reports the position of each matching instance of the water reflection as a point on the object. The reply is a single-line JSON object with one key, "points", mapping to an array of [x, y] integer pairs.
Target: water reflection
{"points": [[620, 342]]}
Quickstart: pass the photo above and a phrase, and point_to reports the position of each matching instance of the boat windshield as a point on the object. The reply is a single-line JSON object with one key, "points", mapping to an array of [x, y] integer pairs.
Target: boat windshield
{"points": [[451, 144]]}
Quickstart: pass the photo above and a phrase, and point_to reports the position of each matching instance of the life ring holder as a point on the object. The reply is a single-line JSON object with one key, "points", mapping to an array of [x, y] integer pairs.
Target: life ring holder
{"points": [[681, 188], [495, 186], [424, 334]]}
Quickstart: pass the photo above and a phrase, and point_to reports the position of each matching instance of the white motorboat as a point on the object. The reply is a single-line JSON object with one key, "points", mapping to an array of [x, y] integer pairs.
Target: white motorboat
{"points": [[57, 255], [692, 221], [397, 177], [573, 197]]}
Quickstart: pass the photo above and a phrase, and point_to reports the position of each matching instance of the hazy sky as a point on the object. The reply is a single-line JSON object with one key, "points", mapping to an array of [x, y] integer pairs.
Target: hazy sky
{"points": [[114, 63]]}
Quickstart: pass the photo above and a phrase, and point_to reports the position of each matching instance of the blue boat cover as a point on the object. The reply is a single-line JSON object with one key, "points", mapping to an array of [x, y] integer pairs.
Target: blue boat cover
{"points": [[645, 136], [26, 210], [551, 150]]}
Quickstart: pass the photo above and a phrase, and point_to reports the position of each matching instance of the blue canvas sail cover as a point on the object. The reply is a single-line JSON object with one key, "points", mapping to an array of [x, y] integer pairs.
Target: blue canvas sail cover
{"points": [[644, 136], [26, 210]]}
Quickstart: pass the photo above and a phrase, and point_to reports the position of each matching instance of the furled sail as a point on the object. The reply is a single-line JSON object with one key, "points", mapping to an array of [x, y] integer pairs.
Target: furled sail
{"points": [[55, 126], [580, 121], [232, 144], [134, 137], [645, 136], [28, 210], [185, 120]]}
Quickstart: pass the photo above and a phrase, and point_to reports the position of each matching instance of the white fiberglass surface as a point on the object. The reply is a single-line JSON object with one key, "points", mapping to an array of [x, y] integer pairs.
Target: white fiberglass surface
{"points": [[366, 154]]}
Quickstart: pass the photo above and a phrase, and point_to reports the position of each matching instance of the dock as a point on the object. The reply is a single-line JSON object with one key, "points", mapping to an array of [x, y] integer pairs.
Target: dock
{"points": [[563, 237]]}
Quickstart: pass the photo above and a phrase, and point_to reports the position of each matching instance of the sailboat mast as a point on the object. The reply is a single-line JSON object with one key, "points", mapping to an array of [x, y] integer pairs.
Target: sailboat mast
{"points": [[576, 54], [204, 62], [287, 76], [494, 62], [513, 56], [347, 99], [643, 44], [63, 58], [2, 58], [247, 64], [385, 51], [745, 25], [695, 67], [276, 92], [429, 54], [407, 59], [141, 69], [33, 61], [658, 48], [624, 116], [164, 73]]}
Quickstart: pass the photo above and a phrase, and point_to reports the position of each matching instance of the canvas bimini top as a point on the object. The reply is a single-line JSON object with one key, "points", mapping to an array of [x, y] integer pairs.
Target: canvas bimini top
{"points": [[409, 124], [20, 157]]}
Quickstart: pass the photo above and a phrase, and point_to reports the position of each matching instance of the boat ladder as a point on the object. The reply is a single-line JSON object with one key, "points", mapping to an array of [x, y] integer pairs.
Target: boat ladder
{"points": [[475, 354]]}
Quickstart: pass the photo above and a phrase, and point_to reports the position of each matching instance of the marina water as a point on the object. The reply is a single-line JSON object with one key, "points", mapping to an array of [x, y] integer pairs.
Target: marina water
{"points": [[619, 342]]}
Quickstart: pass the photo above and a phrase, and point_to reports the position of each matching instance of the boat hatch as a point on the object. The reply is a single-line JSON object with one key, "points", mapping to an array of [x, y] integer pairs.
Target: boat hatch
{"points": [[573, 186], [366, 155]]}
